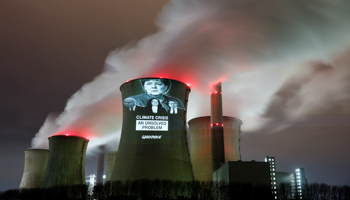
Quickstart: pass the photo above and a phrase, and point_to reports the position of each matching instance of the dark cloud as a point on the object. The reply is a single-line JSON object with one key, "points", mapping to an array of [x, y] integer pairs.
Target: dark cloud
{"points": [[49, 50]]}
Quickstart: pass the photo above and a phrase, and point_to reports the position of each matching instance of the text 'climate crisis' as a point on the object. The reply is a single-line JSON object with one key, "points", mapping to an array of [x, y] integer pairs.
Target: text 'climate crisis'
{"points": [[151, 117]]}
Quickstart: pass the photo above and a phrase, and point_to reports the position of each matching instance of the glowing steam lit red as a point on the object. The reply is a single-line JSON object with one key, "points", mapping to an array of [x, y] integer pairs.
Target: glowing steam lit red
{"points": [[68, 134]]}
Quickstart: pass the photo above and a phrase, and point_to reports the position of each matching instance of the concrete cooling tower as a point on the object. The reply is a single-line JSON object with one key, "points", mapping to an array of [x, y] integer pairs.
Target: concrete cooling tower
{"points": [[34, 168], [66, 164], [110, 161], [200, 132], [153, 143]]}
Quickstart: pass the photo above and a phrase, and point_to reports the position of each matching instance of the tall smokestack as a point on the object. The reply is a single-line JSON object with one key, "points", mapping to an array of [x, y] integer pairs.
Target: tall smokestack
{"points": [[34, 168], [217, 130], [100, 165], [66, 164]]}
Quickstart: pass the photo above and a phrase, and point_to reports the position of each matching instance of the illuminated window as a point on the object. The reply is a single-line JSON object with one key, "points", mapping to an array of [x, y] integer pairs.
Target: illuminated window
{"points": [[274, 178], [273, 173], [275, 197], [274, 187]]}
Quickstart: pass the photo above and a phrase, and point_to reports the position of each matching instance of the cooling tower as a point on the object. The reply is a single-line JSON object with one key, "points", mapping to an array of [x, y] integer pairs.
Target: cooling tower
{"points": [[110, 161], [66, 165], [34, 168], [153, 143], [200, 132]]}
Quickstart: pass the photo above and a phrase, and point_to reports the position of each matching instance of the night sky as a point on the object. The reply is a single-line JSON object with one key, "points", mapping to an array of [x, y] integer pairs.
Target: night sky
{"points": [[49, 50]]}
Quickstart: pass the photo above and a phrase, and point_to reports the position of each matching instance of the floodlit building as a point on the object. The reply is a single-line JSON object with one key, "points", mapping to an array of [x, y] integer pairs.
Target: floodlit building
{"points": [[153, 142], [286, 183], [300, 182]]}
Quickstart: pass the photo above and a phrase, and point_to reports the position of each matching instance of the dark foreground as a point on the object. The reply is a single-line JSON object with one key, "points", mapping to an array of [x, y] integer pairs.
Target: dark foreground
{"points": [[164, 190]]}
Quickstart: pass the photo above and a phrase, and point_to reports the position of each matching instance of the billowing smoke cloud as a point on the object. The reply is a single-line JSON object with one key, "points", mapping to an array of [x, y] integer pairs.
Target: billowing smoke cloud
{"points": [[254, 46], [49, 128], [322, 89]]}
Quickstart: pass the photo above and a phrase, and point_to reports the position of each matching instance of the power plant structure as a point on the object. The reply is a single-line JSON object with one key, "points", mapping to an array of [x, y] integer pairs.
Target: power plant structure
{"points": [[110, 162], [66, 163], [35, 165], [201, 157], [153, 143]]}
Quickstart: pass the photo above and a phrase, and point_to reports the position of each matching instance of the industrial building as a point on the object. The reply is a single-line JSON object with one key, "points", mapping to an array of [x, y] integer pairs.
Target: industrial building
{"points": [[295, 181], [153, 145], [254, 173], [153, 142], [200, 134], [35, 165], [66, 163]]}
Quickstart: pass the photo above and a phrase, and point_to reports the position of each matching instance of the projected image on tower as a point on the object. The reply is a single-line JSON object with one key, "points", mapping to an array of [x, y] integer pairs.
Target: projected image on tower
{"points": [[153, 107], [153, 140]]}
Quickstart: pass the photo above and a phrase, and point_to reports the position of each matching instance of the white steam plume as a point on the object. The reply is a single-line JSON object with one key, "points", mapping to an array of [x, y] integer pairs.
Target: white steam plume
{"points": [[40, 141], [256, 46]]}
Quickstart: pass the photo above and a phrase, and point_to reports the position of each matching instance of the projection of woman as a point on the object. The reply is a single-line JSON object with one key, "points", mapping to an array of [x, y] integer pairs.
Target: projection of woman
{"points": [[156, 89]]}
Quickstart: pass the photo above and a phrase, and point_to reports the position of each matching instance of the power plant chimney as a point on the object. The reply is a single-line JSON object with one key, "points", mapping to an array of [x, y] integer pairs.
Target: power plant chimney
{"points": [[100, 165], [200, 131], [66, 164], [34, 168], [217, 130], [153, 142]]}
